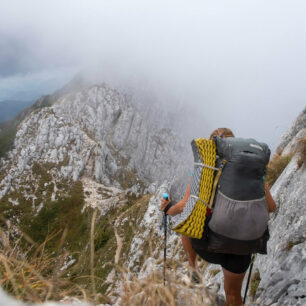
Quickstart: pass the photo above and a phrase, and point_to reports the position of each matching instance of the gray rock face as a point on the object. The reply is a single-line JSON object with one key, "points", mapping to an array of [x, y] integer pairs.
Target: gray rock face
{"points": [[8, 301], [283, 270], [297, 126], [105, 115], [96, 133]]}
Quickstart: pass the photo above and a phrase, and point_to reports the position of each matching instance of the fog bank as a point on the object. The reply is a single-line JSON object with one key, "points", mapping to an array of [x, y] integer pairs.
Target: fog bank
{"points": [[239, 64]]}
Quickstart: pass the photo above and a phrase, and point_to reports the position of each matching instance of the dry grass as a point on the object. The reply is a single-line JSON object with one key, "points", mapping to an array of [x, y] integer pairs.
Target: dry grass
{"points": [[278, 163], [30, 274], [150, 291], [301, 147], [34, 278], [214, 272], [92, 252], [290, 244], [275, 168]]}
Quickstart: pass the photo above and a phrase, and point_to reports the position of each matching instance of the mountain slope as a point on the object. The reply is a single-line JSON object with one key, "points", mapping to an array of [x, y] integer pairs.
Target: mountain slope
{"points": [[88, 152], [97, 134]]}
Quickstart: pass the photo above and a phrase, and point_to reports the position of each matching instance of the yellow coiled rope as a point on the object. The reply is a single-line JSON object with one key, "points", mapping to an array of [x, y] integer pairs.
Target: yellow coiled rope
{"points": [[193, 226]]}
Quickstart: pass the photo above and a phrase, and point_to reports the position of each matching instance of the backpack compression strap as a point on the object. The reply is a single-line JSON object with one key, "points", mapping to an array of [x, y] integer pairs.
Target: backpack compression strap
{"points": [[211, 202], [216, 180]]}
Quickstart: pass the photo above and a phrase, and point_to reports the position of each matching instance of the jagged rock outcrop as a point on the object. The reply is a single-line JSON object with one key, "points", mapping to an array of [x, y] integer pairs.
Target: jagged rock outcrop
{"points": [[292, 135], [97, 134], [283, 270]]}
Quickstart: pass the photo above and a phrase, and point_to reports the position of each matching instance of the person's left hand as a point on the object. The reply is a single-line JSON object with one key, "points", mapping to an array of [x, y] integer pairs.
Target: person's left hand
{"points": [[164, 203]]}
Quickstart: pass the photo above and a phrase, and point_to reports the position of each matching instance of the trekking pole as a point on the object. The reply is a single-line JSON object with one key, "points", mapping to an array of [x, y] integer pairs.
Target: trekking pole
{"points": [[165, 196], [249, 277]]}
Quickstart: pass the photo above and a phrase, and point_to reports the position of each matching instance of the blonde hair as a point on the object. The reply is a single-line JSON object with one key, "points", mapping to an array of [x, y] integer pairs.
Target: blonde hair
{"points": [[222, 132]]}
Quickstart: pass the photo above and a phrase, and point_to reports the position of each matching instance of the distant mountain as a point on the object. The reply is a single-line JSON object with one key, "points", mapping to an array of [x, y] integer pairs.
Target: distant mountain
{"points": [[10, 108], [97, 132], [8, 128]]}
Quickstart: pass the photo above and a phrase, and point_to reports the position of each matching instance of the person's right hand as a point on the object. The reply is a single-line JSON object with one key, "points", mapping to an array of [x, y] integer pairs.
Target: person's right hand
{"points": [[164, 203]]}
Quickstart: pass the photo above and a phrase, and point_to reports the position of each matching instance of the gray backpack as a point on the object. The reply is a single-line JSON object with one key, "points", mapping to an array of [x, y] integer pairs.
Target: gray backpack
{"points": [[239, 222]]}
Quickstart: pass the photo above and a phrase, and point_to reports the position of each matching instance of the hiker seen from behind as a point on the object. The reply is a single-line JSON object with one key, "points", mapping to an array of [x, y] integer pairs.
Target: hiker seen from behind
{"points": [[223, 216]]}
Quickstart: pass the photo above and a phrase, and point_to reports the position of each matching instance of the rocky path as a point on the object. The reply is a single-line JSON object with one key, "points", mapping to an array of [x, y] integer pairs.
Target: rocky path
{"points": [[118, 238], [119, 246]]}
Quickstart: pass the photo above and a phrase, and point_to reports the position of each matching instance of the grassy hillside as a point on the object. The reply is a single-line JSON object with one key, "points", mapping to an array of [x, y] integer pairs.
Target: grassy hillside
{"points": [[58, 244]]}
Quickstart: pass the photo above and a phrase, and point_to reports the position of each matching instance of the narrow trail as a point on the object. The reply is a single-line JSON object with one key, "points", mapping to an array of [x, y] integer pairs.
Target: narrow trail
{"points": [[119, 246], [118, 238]]}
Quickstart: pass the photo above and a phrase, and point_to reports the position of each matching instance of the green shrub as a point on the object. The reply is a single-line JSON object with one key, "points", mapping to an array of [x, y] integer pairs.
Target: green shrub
{"points": [[56, 216], [214, 272], [7, 138], [42, 171], [254, 283], [103, 234], [13, 212]]}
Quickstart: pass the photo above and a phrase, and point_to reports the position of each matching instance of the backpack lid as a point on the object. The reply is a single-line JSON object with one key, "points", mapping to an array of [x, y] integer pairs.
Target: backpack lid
{"points": [[230, 146]]}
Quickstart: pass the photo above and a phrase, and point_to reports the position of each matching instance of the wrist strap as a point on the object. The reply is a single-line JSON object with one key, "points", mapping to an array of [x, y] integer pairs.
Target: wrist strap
{"points": [[168, 207]]}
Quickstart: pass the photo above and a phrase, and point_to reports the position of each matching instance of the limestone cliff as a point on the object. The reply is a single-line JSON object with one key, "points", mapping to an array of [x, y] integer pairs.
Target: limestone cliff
{"points": [[283, 270], [94, 133]]}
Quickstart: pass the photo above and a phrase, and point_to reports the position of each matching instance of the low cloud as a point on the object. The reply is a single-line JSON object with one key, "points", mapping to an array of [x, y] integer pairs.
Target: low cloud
{"points": [[27, 86], [239, 64]]}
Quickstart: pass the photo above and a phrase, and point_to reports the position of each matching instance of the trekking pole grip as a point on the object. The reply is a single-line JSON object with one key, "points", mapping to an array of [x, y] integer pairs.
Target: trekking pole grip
{"points": [[166, 196]]}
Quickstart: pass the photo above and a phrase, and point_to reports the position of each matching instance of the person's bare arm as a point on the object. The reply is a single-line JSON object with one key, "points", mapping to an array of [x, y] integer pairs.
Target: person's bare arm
{"points": [[269, 199], [178, 207]]}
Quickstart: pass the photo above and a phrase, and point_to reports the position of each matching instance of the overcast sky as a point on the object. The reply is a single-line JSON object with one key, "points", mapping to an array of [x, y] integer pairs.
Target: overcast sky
{"points": [[239, 64]]}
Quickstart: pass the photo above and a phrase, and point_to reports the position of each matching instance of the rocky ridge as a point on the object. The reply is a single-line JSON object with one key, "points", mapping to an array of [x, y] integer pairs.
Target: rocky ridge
{"points": [[94, 144], [94, 133]]}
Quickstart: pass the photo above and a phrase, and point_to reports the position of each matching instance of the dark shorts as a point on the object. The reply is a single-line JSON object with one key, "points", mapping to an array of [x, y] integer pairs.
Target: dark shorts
{"points": [[231, 262]]}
